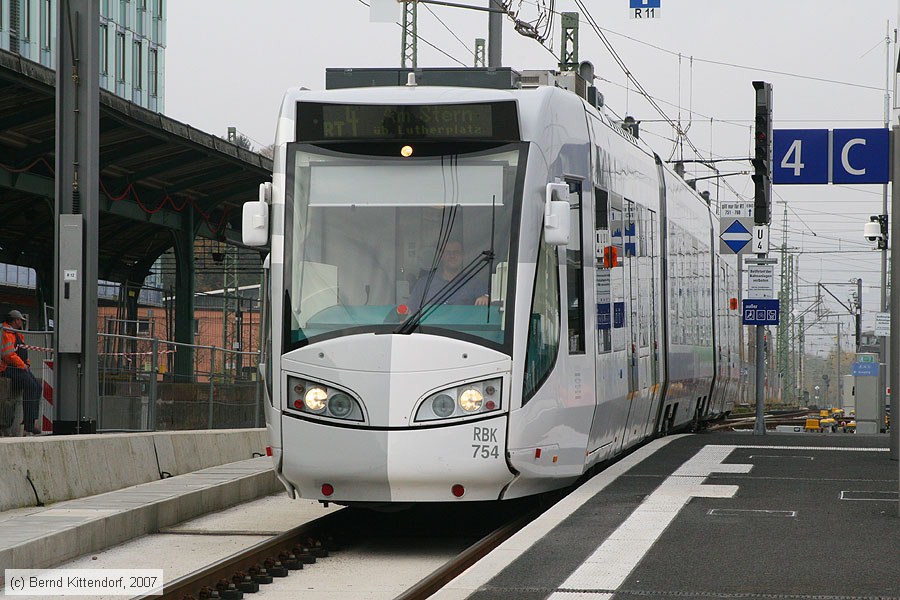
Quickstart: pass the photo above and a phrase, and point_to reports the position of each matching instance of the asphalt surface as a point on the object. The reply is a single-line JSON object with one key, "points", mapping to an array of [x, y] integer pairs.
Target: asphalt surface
{"points": [[815, 516]]}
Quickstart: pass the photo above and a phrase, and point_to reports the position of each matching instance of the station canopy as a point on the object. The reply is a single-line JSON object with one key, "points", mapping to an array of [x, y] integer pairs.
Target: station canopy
{"points": [[159, 178]]}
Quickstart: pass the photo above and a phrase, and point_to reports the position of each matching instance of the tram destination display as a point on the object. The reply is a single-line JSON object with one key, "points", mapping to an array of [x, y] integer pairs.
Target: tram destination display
{"points": [[322, 122]]}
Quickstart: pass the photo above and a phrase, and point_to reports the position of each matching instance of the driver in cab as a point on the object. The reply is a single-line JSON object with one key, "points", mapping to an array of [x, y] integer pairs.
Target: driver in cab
{"points": [[431, 284]]}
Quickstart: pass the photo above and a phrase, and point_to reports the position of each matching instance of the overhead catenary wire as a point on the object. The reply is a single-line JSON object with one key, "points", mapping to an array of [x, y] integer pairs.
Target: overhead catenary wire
{"points": [[453, 33], [420, 38], [737, 65]]}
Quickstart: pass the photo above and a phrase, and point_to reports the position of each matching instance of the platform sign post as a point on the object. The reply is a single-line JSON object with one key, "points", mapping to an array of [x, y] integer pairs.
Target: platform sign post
{"points": [[894, 345], [762, 213]]}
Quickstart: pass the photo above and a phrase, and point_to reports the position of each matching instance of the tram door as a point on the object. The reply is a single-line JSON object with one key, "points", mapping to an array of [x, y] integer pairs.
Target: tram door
{"points": [[640, 327], [580, 364]]}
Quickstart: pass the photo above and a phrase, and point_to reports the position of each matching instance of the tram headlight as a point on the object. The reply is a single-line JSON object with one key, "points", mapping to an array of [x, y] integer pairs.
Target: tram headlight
{"points": [[340, 405], [469, 399], [323, 400], [315, 399], [443, 405]]}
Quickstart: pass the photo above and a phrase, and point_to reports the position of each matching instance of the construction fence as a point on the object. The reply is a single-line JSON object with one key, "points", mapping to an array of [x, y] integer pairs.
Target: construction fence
{"points": [[148, 384]]}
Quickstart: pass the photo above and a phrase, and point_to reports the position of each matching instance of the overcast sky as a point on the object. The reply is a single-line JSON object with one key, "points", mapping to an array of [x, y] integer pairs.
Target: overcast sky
{"points": [[228, 62]]}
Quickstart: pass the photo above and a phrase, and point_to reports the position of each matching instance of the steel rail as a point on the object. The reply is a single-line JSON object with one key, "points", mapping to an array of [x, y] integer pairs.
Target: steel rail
{"points": [[465, 559], [208, 576]]}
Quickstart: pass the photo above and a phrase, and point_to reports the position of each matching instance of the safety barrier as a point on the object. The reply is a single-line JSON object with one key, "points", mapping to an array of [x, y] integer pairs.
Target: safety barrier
{"points": [[151, 384], [148, 384]]}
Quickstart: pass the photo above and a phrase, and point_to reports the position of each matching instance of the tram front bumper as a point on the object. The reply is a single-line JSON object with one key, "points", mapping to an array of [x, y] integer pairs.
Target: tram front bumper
{"points": [[404, 465]]}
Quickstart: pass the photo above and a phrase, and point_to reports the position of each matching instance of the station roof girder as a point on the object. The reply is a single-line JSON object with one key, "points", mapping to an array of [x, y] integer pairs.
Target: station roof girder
{"points": [[152, 169]]}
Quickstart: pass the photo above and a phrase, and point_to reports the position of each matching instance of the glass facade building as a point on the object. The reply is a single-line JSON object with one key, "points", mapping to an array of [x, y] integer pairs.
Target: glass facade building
{"points": [[132, 43], [132, 65]]}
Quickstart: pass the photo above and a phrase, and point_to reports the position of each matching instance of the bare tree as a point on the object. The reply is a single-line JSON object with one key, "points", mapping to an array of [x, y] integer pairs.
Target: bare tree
{"points": [[268, 151]]}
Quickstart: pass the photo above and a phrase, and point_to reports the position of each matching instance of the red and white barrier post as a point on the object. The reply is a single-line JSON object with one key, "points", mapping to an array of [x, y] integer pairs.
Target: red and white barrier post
{"points": [[47, 408]]}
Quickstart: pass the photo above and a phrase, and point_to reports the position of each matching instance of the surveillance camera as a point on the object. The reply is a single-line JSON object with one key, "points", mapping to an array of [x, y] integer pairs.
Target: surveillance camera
{"points": [[872, 232]]}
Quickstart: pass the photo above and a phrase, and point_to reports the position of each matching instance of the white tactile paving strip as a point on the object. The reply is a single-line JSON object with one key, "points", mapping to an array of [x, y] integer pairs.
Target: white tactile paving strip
{"points": [[607, 568]]}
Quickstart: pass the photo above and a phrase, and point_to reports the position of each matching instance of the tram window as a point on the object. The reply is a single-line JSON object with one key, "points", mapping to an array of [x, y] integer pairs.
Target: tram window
{"points": [[575, 273], [601, 208], [359, 250], [629, 229], [605, 262], [543, 327]]}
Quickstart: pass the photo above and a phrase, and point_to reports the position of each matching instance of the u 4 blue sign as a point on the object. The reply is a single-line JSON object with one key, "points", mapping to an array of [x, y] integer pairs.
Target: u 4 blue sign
{"points": [[823, 156]]}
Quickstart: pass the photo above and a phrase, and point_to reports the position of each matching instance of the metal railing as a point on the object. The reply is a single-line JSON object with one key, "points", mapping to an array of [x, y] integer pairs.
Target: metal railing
{"points": [[149, 384], [152, 384]]}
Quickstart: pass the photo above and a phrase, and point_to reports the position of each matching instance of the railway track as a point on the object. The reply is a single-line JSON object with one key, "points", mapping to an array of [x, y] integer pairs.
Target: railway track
{"points": [[277, 557], [250, 570], [773, 419], [247, 570], [444, 575]]}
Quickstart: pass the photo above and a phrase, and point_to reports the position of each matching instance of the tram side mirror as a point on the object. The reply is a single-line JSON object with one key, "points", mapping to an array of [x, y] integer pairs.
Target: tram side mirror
{"points": [[556, 214], [255, 218], [498, 282]]}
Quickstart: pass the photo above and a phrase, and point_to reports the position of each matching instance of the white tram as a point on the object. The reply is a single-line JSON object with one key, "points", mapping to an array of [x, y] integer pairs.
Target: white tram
{"points": [[587, 309]]}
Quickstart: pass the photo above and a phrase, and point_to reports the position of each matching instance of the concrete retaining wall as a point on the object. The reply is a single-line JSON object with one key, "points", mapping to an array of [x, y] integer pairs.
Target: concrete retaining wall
{"points": [[66, 467]]}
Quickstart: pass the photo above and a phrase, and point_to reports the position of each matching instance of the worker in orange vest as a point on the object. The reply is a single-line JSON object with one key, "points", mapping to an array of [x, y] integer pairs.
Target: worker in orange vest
{"points": [[15, 366]]}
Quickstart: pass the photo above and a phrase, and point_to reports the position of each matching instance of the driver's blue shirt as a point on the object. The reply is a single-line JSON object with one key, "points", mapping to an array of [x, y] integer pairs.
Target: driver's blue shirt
{"points": [[467, 293]]}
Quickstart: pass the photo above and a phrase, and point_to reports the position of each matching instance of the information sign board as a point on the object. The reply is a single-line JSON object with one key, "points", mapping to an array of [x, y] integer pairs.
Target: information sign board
{"points": [[867, 369], [761, 281], [735, 227], [883, 324], [760, 312]]}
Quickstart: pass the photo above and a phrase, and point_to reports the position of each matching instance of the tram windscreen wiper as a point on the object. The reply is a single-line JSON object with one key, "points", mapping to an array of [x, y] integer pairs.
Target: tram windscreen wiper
{"points": [[446, 291]]}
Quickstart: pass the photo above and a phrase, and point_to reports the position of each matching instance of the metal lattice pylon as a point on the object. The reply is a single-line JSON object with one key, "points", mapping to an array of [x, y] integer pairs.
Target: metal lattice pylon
{"points": [[479, 52], [785, 344], [569, 45], [408, 49]]}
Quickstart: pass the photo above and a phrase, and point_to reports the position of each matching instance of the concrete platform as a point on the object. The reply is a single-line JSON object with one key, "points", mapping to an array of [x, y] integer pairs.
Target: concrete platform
{"points": [[48, 469], [45, 537], [717, 515]]}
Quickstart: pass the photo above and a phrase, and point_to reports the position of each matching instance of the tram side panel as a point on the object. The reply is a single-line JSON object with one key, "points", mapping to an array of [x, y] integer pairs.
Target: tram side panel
{"points": [[625, 291], [553, 384], [639, 257], [690, 316], [275, 282], [727, 352]]}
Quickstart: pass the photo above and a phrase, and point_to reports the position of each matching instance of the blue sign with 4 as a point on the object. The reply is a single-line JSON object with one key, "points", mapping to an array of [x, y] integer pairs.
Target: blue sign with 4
{"points": [[822, 156], [800, 156]]}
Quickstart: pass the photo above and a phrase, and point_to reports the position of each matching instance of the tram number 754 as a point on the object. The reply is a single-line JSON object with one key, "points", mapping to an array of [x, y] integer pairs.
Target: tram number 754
{"points": [[485, 451]]}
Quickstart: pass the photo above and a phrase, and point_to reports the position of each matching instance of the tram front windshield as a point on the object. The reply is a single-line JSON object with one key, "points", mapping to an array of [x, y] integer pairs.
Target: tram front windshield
{"points": [[393, 244]]}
